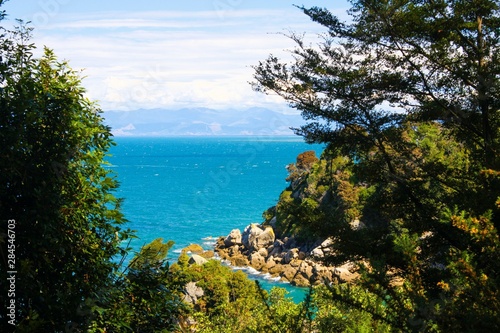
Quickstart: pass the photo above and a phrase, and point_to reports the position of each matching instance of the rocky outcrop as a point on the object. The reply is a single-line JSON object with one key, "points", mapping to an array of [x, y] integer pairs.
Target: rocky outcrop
{"points": [[197, 254], [193, 248], [234, 238], [197, 260], [255, 238], [299, 264], [192, 292]]}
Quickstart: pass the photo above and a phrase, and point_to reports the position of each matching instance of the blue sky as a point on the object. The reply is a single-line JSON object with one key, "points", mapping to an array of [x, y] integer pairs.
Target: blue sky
{"points": [[169, 54]]}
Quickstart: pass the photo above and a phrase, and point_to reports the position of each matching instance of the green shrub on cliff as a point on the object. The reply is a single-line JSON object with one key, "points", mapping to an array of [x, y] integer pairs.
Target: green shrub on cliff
{"points": [[231, 302]]}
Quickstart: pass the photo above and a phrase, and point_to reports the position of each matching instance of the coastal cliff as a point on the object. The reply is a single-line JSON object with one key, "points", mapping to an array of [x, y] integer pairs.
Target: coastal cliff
{"points": [[294, 242]]}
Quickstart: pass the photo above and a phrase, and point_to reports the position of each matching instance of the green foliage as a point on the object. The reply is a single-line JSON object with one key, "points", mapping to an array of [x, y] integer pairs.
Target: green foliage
{"points": [[234, 303], [335, 315], [54, 184], [405, 96], [151, 255], [145, 298], [306, 159], [407, 91]]}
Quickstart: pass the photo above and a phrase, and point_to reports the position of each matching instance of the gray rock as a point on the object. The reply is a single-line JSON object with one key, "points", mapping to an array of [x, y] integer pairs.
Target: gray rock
{"points": [[265, 239], [288, 273], [277, 248], [234, 238], [317, 253], [254, 238], [273, 222], [290, 242], [192, 292], [250, 235], [327, 242], [197, 260], [257, 261], [290, 255]]}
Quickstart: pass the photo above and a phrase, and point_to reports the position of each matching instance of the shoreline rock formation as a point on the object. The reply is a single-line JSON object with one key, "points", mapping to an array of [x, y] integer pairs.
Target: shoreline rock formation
{"points": [[300, 264]]}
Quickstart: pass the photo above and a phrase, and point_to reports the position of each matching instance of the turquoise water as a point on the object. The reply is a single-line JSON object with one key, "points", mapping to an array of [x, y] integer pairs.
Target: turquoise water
{"points": [[194, 189]]}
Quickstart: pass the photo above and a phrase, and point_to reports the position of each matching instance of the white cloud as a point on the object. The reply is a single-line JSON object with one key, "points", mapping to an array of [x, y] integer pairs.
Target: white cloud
{"points": [[173, 59]]}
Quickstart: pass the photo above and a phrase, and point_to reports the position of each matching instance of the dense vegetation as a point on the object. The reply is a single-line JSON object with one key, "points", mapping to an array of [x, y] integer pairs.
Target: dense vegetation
{"points": [[406, 98]]}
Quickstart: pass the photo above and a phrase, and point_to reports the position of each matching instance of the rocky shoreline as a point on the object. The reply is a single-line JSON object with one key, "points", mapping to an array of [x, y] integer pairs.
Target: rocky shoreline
{"points": [[300, 264]]}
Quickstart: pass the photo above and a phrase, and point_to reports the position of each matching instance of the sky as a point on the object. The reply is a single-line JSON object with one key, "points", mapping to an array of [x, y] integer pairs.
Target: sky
{"points": [[170, 54]]}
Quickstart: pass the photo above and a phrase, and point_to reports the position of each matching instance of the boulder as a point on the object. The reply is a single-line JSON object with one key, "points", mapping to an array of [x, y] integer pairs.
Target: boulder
{"points": [[300, 280], [295, 262], [223, 253], [263, 252], [276, 249], [276, 269], [305, 269], [257, 261], [270, 263], [346, 272], [273, 222], [290, 255], [239, 261], [208, 254], [197, 260], [317, 253], [290, 242], [265, 239], [254, 238], [356, 224], [234, 250], [250, 235], [327, 242], [193, 248], [234, 238], [192, 292], [219, 243], [288, 273]]}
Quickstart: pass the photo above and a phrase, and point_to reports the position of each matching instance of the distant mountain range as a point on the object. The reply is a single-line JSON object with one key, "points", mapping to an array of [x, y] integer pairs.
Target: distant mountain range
{"points": [[201, 121]]}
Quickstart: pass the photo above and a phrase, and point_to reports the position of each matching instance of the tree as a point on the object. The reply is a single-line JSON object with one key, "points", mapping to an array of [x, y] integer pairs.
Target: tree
{"points": [[434, 60], [55, 186], [145, 297], [408, 91]]}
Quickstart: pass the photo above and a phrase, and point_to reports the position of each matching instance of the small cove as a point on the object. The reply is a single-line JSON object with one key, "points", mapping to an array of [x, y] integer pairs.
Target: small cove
{"points": [[195, 189]]}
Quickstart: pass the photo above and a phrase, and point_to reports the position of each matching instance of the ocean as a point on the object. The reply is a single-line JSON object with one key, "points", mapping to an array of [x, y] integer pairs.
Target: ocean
{"points": [[195, 189]]}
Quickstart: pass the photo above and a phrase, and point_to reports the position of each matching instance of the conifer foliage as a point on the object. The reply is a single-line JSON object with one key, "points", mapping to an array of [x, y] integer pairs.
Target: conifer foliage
{"points": [[408, 92]]}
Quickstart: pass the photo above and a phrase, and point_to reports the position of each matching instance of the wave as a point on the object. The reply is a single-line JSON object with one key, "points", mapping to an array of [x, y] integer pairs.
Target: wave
{"points": [[252, 272]]}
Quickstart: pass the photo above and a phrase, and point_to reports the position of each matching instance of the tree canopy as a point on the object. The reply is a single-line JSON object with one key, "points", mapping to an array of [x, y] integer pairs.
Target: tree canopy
{"points": [[55, 186], [408, 91]]}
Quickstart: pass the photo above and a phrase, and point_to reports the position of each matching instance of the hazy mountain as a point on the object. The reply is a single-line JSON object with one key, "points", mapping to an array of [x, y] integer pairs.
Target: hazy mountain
{"points": [[201, 121]]}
